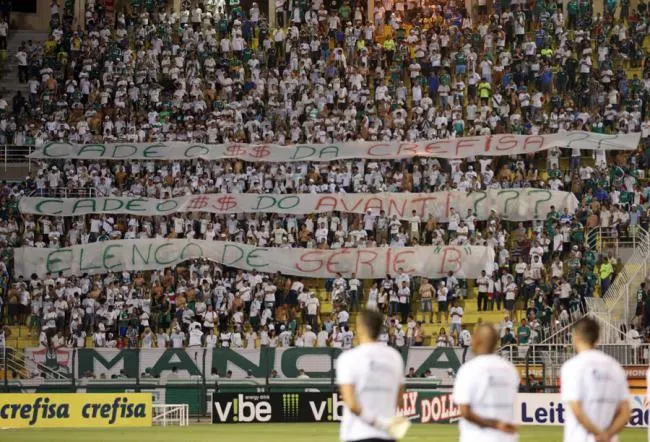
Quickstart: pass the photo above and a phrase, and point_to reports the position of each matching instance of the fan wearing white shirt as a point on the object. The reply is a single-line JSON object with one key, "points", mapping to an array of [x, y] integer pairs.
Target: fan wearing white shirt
{"points": [[485, 390], [309, 337], [456, 318], [354, 284], [322, 338], [371, 380], [196, 336], [594, 388]]}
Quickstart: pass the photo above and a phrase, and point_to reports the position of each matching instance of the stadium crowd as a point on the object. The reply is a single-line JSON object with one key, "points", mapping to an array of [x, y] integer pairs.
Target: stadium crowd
{"points": [[412, 71]]}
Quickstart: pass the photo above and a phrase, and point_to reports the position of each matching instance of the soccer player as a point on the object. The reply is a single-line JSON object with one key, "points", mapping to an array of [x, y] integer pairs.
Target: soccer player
{"points": [[485, 391], [594, 387], [371, 381]]}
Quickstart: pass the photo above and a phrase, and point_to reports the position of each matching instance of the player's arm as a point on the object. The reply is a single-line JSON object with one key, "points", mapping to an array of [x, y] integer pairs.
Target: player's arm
{"points": [[583, 419], [467, 414], [620, 420], [400, 396], [350, 400]]}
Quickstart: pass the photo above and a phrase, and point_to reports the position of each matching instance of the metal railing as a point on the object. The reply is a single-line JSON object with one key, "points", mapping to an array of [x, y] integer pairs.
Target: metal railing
{"points": [[607, 309], [618, 305], [13, 154], [15, 361], [542, 363], [560, 334]]}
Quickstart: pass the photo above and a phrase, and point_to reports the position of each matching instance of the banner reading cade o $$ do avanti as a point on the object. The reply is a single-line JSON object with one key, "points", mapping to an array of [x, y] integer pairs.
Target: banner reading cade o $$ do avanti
{"points": [[487, 146], [70, 410], [510, 204], [156, 254]]}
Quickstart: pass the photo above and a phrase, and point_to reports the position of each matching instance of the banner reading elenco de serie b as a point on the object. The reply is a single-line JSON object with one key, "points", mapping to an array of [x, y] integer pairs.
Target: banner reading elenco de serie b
{"points": [[510, 204], [490, 146], [151, 254]]}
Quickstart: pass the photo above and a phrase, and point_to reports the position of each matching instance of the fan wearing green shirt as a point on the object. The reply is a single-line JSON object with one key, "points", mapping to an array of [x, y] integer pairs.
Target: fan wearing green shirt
{"points": [[461, 62], [572, 12], [523, 332]]}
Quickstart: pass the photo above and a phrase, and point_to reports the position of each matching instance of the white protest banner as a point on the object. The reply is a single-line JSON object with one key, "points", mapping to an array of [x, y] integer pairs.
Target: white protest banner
{"points": [[490, 146], [510, 204], [156, 254]]}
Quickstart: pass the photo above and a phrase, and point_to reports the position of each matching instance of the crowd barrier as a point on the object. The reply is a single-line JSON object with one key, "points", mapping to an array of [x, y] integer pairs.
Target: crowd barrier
{"points": [[420, 406]]}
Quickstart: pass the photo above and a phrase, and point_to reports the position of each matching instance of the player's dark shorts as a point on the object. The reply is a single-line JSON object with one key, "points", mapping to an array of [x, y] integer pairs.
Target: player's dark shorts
{"points": [[442, 306]]}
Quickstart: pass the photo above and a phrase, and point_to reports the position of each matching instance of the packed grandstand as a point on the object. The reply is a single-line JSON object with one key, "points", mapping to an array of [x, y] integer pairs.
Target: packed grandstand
{"points": [[323, 73]]}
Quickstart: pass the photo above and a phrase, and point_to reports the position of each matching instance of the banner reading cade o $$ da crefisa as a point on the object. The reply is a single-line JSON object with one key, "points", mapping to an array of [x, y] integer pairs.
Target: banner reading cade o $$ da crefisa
{"points": [[488, 146], [510, 204], [154, 254], [70, 410]]}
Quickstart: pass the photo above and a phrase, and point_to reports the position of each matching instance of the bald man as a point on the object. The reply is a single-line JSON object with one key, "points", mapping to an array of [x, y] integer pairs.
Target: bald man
{"points": [[485, 391]]}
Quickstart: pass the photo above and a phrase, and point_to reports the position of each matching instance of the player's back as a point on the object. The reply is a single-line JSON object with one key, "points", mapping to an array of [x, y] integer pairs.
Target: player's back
{"points": [[376, 371], [599, 384], [489, 385]]}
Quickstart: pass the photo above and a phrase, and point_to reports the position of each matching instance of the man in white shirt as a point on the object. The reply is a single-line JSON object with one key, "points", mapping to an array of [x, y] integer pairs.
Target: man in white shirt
{"points": [[309, 336], [594, 388], [196, 336], [371, 380], [485, 391], [355, 285], [342, 317], [465, 341], [456, 318], [178, 338], [322, 338], [21, 60], [4, 28], [312, 305]]}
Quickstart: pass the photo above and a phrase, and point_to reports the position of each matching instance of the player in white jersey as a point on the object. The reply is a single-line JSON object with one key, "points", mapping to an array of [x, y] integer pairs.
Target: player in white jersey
{"points": [[594, 388], [371, 381], [485, 390]]}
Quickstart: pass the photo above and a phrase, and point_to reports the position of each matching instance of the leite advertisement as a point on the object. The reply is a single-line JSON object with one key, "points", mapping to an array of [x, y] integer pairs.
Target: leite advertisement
{"points": [[420, 406], [548, 409], [69, 410]]}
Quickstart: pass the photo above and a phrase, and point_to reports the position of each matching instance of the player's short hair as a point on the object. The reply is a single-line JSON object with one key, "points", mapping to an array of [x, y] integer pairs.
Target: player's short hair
{"points": [[372, 321], [489, 334], [588, 330]]}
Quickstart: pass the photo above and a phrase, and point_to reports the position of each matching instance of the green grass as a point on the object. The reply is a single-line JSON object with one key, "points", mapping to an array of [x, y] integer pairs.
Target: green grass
{"points": [[267, 433]]}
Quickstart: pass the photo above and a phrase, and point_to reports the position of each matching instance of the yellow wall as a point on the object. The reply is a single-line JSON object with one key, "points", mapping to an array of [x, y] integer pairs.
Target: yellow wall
{"points": [[35, 22]]}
